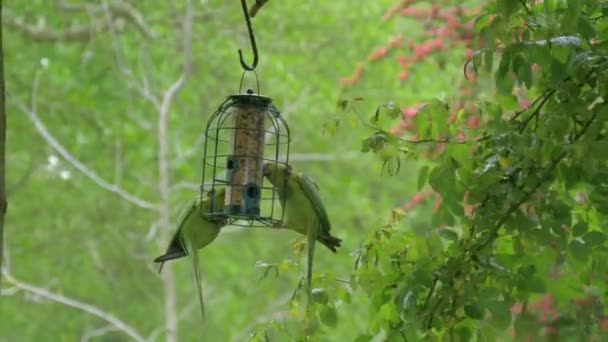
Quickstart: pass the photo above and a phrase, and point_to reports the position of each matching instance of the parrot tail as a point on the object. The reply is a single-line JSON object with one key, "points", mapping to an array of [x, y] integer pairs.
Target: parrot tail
{"points": [[330, 242], [174, 251]]}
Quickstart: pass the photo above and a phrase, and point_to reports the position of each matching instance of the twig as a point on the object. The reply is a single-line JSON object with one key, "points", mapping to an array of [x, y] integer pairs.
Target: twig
{"points": [[525, 6], [445, 141], [164, 185], [256, 7], [539, 183], [41, 32], [97, 333], [76, 304], [536, 111], [142, 87], [77, 164], [520, 112], [3, 202]]}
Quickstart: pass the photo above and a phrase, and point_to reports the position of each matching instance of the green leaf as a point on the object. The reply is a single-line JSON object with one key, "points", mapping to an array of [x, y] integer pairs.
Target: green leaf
{"points": [[599, 198], [580, 228], [436, 114], [320, 296], [586, 29], [504, 83], [533, 285], [508, 7], [524, 74], [364, 338], [464, 333], [574, 7], [448, 234], [525, 323], [376, 116], [344, 295], [501, 314], [507, 101], [422, 177], [488, 60], [473, 311], [594, 238], [329, 316], [395, 335], [578, 250], [442, 179], [393, 111]]}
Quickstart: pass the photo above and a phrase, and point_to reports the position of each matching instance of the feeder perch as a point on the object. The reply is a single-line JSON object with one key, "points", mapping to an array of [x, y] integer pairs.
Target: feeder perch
{"points": [[245, 132]]}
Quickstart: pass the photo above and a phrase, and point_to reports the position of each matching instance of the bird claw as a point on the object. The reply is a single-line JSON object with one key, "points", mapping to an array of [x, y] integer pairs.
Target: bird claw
{"points": [[278, 226]]}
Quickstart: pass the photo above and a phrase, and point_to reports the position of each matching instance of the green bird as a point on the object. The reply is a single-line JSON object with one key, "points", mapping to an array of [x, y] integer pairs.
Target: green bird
{"points": [[193, 233], [304, 210]]}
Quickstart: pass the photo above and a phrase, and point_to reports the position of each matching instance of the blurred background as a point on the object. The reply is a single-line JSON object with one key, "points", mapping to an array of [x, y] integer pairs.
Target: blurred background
{"points": [[104, 148]]}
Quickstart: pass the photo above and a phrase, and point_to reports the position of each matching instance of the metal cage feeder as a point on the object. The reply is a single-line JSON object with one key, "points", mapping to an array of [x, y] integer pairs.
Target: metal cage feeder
{"points": [[246, 132]]}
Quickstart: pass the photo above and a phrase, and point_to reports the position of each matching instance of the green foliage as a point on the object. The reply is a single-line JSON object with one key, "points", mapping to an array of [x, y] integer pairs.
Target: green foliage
{"points": [[505, 232], [531, 177], [68, 235]]}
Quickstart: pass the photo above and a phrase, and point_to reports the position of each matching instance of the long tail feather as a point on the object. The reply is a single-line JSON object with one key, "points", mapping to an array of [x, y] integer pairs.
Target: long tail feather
{"points": [[197, 276], [312, 239]]}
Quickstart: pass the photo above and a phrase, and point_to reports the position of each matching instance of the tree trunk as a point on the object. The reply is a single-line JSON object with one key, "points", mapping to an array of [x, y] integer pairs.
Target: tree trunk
{"points": [[3, 203]]}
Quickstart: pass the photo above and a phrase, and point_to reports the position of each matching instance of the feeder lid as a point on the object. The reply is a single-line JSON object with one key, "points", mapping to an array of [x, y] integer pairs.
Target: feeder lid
{"points": [[250, 97]]}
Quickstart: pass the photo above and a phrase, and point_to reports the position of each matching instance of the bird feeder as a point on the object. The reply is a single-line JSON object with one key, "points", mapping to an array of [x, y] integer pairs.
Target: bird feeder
{"points": [[245, 132]]}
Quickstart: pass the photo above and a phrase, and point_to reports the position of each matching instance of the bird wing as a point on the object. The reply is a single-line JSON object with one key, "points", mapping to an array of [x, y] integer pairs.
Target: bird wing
{"points": [[311, 191], [183, 217], [176, 247]]}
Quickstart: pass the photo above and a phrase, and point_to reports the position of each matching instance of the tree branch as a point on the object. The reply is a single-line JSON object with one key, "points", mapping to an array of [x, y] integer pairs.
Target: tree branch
{"points": [[41, 33], [97, 333], [3, 202], [76, 304], [77, 164], [120, 9], [164, 185], [142, 87], [256, 7], [550, 168]]}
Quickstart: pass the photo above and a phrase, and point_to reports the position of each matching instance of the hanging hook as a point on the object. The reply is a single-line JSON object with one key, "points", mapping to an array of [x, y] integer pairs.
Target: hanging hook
{"points": [[252, 39]]}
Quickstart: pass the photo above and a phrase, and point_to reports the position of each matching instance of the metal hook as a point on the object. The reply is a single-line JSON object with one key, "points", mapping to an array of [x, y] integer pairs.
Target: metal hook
{"points": [[252, 39]]}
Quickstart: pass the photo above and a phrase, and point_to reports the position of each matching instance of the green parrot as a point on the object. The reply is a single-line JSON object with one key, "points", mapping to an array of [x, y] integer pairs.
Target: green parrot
{"points": [[193, 233], [304, 211]]}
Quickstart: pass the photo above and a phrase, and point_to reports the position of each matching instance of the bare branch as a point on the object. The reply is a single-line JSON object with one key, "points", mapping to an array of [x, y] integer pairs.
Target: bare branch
{"points": [[164, 186], [3, 201], [142, 87], [186, 185], [97, 332], [41, 32], [318, 157], [152, 232], [256, 7], [186, 69], [77, 164], [125, 10], [76, 304], [118, 8]]}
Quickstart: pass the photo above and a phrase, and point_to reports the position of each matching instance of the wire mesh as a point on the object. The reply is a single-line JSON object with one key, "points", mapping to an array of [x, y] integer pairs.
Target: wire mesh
{"points": [[246, 132]]}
